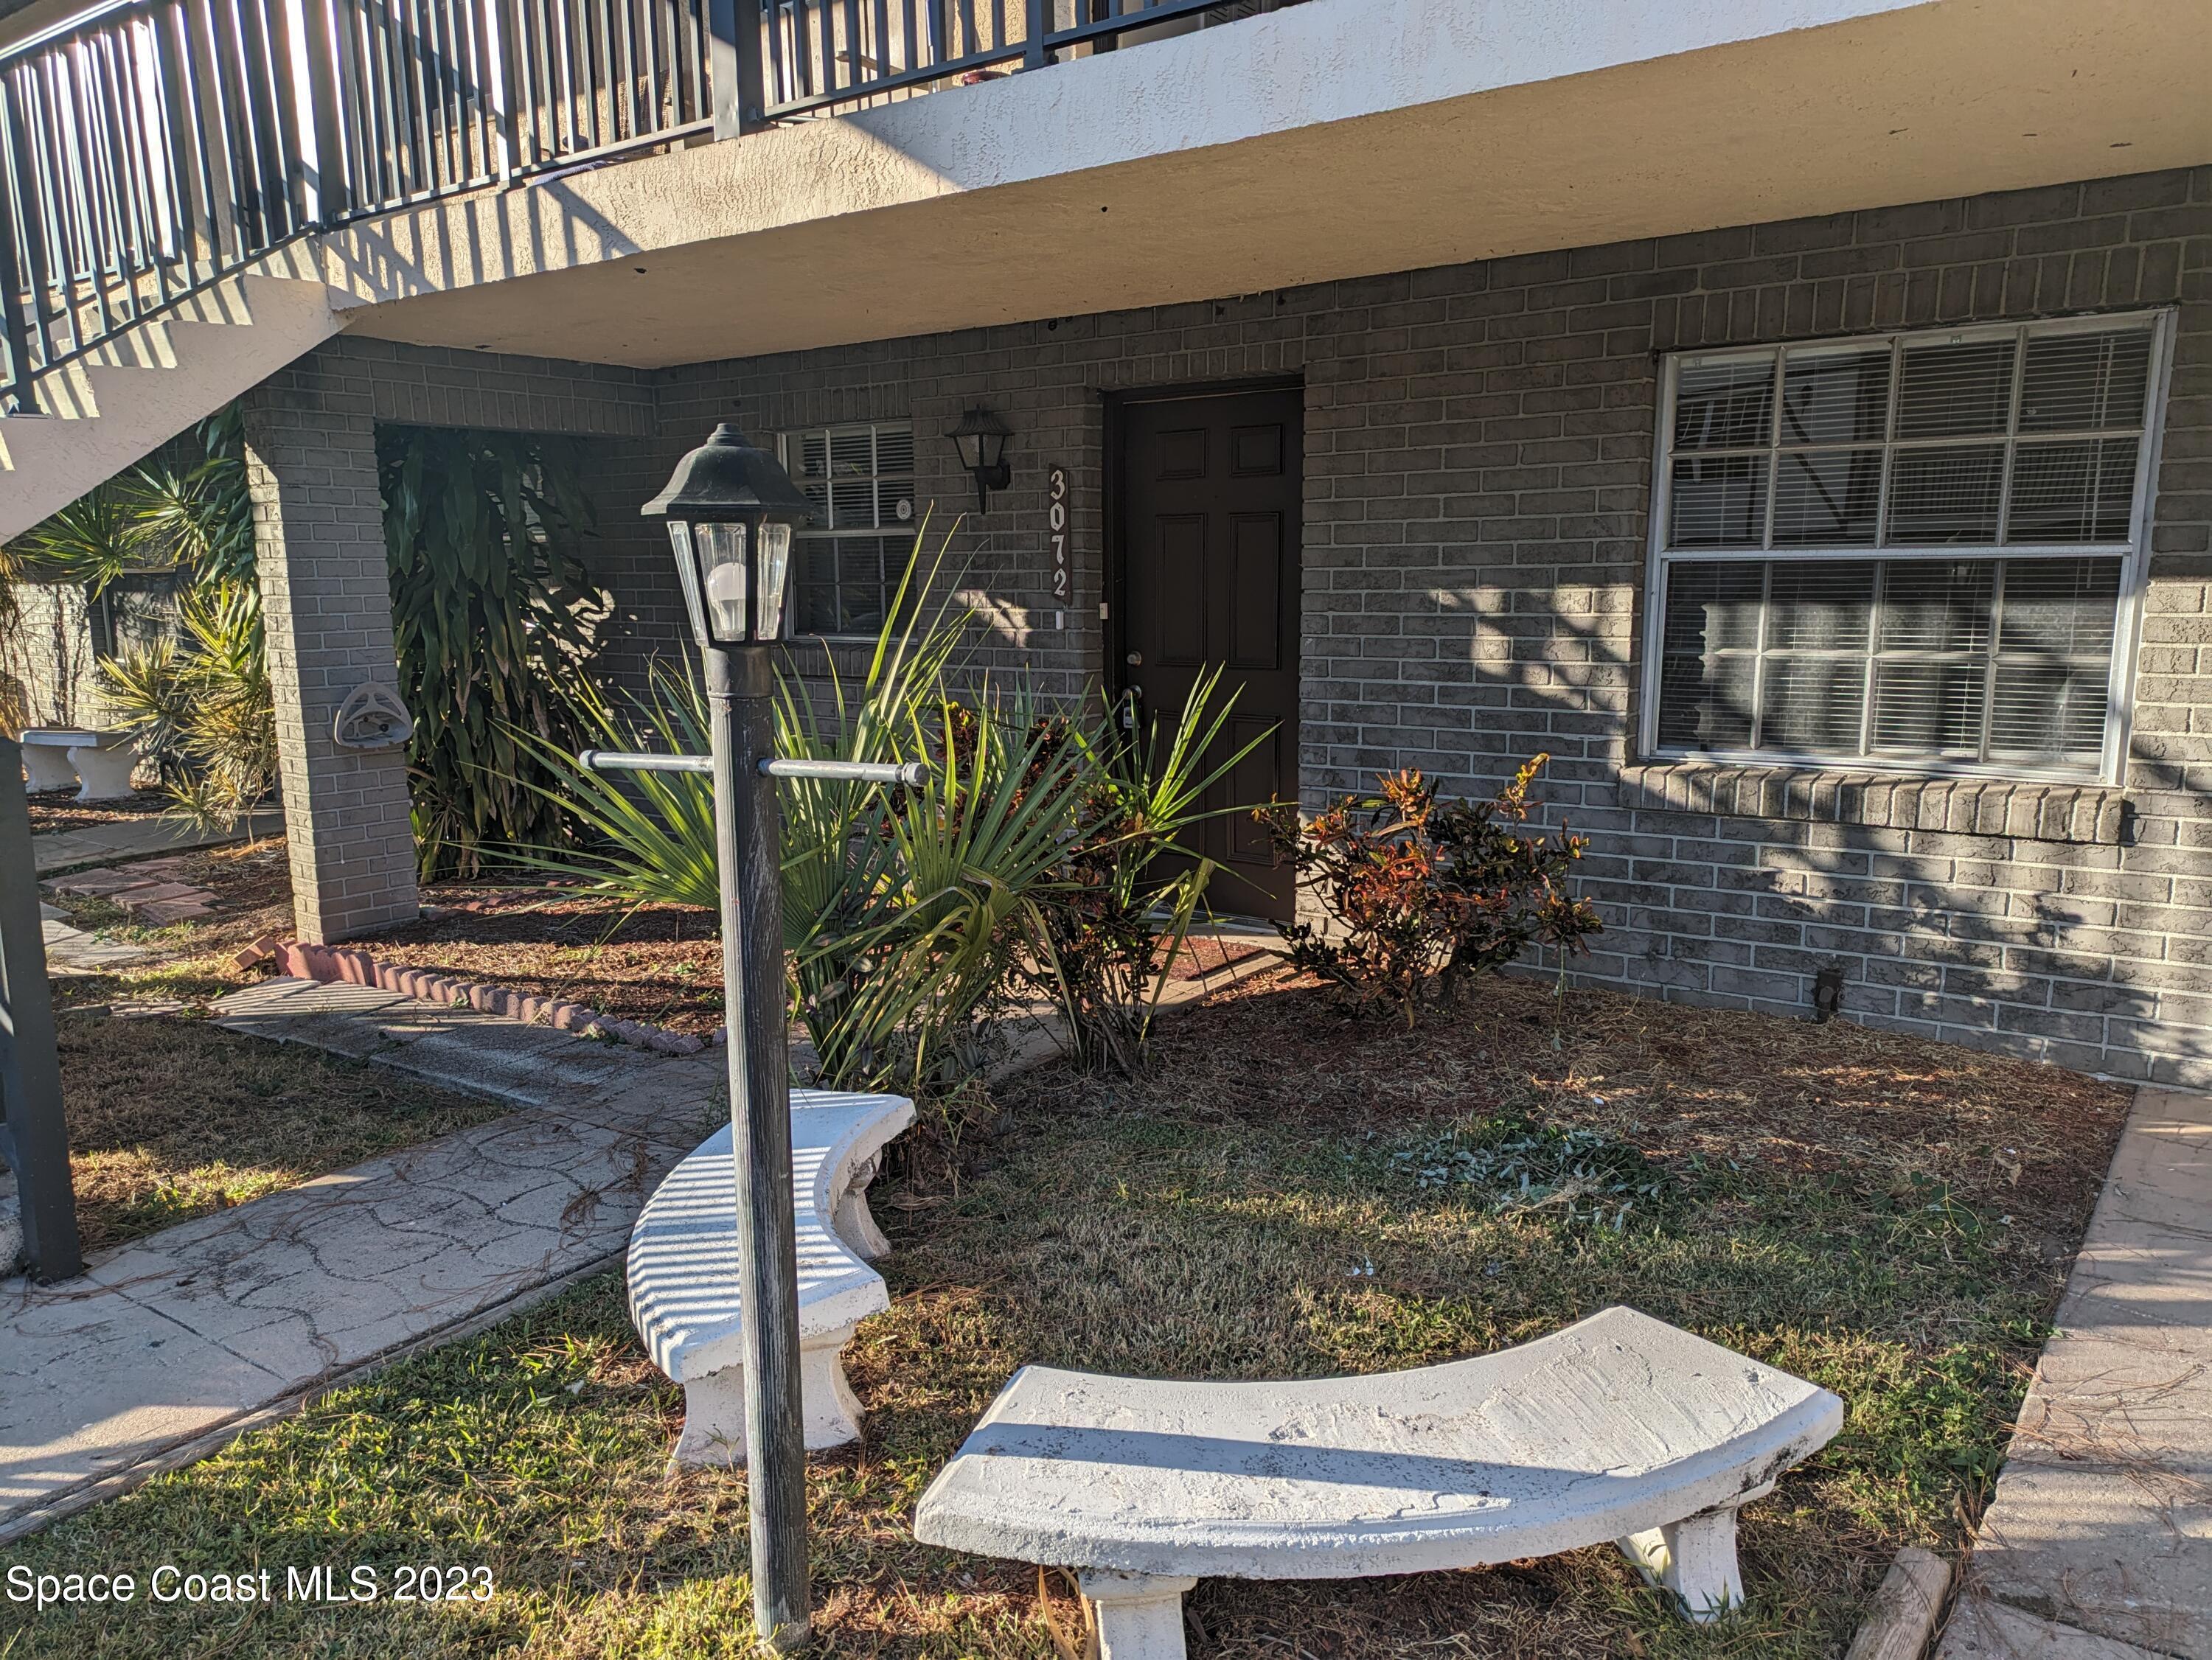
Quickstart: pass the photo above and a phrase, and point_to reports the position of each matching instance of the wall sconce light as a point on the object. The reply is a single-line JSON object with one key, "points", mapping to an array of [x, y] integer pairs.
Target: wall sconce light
{"points": [[980, 437]]}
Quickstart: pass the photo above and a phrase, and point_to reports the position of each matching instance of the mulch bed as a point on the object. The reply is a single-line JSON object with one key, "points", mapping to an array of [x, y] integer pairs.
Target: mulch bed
{"points": [[53, 811], [1835, 1101], [662, 964]]}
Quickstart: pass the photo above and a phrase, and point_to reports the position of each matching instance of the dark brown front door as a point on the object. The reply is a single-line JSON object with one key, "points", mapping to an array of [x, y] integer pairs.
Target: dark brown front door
{"points": [[1209, 546]]}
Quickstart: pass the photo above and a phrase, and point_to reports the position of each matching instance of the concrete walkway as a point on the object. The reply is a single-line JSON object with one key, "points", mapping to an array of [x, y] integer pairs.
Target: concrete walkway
{"points": [[138, 837], [2097, 1541], [169, 1346]]}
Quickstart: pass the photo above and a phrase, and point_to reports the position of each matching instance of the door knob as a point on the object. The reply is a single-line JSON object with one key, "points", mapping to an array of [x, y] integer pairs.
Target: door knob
{"points": [[1135, 659]]}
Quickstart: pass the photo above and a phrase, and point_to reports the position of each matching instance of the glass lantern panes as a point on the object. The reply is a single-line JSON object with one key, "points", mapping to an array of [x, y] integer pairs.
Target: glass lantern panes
{"points": [[847, 565], [1907, 550]]}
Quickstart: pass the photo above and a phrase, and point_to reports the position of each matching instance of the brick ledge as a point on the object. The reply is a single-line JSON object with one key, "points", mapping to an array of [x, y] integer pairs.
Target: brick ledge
{"points": [[2014, 809]]}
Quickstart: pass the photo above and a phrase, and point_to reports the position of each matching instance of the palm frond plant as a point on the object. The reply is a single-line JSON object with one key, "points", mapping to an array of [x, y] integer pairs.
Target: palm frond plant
{"points": [[200, 700], [92, 542], [1033, 868], [200, 520], [147, 696], [901, 914], [907, 974], [150, 520]]}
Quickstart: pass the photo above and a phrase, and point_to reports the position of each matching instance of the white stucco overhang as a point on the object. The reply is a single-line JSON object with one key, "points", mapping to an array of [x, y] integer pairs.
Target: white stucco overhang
{"points": [[1336, 138]]}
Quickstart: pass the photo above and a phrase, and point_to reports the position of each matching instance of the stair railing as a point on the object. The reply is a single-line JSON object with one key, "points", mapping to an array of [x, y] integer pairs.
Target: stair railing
{"points": [[150, 148]]}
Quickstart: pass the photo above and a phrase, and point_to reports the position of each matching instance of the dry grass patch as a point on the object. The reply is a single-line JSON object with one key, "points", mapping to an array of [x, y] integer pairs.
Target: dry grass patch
{"points": [[172, 1118]]}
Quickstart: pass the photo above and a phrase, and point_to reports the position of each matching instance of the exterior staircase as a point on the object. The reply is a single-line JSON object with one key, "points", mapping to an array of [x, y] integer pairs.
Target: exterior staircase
{"points": [[137, 390]]}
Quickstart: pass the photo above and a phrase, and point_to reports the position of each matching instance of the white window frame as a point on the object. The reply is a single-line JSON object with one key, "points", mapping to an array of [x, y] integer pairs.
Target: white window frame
{"points": [[2135, 556], [830, 431]]}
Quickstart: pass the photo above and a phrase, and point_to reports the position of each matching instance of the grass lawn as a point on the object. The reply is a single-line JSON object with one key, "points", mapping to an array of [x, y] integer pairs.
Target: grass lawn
{"points": [[1288, 1193], [171, 1118]]}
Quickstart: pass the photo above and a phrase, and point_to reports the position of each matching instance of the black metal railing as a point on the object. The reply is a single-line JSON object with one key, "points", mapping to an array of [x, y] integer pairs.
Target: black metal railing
{"points": [[820, 55], [150, 148]]}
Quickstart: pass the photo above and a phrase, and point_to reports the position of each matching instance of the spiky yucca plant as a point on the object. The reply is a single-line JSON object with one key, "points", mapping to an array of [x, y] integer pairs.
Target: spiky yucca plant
{"points": [[202, 707]]}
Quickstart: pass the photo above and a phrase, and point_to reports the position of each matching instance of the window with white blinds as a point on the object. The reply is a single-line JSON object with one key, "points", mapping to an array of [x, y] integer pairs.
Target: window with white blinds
{"points": [[847, 564], [1914, 551]]}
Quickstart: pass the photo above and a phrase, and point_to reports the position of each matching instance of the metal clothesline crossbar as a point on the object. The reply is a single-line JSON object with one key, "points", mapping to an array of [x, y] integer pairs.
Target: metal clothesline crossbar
{"points": [[910, 774]]}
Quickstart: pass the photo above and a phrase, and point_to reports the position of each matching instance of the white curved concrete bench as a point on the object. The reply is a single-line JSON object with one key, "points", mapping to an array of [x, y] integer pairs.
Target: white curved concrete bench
{"points": [[682, 1272], [1620, 1428]]}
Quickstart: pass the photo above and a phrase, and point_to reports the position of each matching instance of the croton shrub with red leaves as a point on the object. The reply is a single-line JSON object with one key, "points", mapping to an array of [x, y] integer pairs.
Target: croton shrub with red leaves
{"points": [[1420, 894]]}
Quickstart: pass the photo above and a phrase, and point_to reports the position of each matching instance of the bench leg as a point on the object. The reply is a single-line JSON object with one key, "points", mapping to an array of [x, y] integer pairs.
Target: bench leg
{"points": [[1695, 1558], [1139, 1614], [826, 1400], [852, 1221], [713, 1435], [107, 772], [49, 768]]}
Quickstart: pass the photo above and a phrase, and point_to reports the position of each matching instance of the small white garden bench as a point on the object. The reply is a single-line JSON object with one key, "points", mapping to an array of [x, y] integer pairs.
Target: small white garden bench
{"points": [[682, 1272], [1619, 1427], [55, 757]]}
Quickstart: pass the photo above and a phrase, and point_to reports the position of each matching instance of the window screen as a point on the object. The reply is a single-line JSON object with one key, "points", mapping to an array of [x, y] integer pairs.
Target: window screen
{"points": [[1910, 549], [861, 480]]}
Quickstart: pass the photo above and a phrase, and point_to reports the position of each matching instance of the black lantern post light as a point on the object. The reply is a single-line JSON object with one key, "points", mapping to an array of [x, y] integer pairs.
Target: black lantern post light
{"points": [[731, 510], [980, 437]]}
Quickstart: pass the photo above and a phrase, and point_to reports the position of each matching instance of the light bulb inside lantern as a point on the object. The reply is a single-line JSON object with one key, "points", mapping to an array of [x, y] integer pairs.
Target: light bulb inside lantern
{"points": [[724, 587]]}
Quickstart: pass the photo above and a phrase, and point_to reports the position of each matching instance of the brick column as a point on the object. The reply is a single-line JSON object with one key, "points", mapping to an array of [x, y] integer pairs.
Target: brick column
{"points": [[318, 533]]}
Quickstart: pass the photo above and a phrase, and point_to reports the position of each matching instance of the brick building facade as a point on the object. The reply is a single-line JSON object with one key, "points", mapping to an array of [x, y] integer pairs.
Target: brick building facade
{"points": [[1478, 481]]}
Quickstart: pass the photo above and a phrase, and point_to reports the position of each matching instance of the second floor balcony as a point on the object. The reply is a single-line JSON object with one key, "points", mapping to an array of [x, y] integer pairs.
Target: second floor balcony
{"points": [[150, 147], [527, 175]]}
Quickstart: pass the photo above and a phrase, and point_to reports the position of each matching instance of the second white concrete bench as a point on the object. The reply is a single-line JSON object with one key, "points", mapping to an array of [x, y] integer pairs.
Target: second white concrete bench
{"points": [[1618, 1428], [682, 1272], [55, 757]]}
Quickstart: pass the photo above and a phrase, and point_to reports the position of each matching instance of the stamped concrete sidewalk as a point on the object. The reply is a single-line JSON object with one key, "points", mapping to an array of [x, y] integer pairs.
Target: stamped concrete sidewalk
{"points": [[2098, 1543], [177, 1341]]}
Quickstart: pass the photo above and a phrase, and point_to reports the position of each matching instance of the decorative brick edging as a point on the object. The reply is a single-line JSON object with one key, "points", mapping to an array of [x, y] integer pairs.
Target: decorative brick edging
{"points": [[341, 963]]}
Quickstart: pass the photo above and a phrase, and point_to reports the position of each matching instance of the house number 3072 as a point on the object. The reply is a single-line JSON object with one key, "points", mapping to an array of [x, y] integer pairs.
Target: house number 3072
{"points": [[1056, 516]]}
